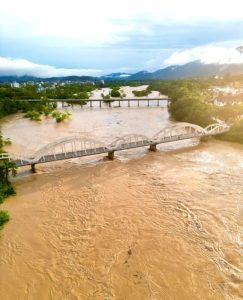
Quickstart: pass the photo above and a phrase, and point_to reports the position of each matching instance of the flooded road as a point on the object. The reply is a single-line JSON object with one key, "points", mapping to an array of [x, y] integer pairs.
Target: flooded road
{"points": [[164, 225]]}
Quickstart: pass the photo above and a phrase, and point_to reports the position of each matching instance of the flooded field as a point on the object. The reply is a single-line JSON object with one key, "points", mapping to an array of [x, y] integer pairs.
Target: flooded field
{"points": [[163, 225]]}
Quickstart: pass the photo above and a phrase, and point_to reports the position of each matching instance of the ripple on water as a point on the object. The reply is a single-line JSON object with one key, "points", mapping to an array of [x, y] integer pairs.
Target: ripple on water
{"points": [[165, 225]]}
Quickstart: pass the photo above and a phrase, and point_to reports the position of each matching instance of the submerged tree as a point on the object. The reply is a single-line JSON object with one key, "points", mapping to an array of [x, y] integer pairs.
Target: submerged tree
{"points": [[7, 166]]}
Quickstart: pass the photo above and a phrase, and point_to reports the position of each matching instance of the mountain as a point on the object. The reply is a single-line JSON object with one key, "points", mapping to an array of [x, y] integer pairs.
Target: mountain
{"points": [[51, 79], [194, 69]]}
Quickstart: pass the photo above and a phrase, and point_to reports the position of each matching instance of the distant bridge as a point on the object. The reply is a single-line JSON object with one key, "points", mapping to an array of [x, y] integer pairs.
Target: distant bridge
{"points": [[100, 101], [76, 146]]}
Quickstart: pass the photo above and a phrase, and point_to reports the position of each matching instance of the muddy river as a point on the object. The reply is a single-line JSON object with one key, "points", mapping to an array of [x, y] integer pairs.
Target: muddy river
{"points": [[147, 225]]}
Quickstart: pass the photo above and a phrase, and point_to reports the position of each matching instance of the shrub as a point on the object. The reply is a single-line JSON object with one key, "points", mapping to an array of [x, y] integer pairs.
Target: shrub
{"points": [[7, 142], [115, 93], [33, 115], [4, 217], [140, 93], [6, 191], [47, 110], [107, 98], [235, 134], [60, 116]]}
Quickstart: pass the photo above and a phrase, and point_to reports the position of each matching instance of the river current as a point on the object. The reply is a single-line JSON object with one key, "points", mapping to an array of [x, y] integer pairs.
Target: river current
{"points": [[147, 225]]}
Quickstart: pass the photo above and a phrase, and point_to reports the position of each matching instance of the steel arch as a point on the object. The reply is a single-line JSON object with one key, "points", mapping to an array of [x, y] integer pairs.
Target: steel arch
{"points": [[67, 145], [129, 141]]}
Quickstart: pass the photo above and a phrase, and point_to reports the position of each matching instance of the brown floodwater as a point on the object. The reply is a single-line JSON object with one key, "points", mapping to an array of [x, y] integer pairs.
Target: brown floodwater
{"points": [[148, 225]]}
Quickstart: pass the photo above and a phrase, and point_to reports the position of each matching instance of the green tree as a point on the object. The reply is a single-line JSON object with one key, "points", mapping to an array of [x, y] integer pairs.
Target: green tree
{"points": [[115, 92]]}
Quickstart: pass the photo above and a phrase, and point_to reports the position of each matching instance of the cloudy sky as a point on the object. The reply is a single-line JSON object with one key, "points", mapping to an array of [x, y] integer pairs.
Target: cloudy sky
{"points": [[93, 37]]}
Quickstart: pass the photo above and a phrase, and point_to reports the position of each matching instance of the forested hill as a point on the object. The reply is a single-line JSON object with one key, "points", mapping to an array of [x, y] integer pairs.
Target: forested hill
{"points": [[194, 69], [27, 78]]}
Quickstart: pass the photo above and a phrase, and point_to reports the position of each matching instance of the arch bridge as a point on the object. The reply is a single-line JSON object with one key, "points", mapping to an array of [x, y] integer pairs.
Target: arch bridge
{"points": [[76, 146]]}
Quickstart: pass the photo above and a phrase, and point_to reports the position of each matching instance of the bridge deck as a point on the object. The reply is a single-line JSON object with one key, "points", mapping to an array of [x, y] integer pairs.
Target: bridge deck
{"points": [[98, 100], [73, 147]]}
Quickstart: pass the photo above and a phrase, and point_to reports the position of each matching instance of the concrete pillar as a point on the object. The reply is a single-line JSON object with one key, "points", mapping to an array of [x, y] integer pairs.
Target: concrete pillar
{"points": [[152, 147], [119, 103], [148, 102], [100, 103], [128, 103], [90, 102], [33, 169], [138, 103], [158, 103], [111, 154]]}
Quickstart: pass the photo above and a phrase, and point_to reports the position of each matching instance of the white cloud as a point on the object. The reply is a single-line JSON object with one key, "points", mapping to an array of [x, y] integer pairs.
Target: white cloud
{"points": [[100, 22], [22, 67], [206, 54]]}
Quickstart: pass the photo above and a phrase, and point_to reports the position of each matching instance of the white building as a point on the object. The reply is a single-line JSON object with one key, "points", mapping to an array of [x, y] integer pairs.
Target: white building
{"points": [[15, 84]]}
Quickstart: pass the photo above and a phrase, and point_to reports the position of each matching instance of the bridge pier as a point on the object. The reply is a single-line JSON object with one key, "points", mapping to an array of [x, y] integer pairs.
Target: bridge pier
{"points": [[205, 138], [152, 147], [111, 154], [33, 169]]}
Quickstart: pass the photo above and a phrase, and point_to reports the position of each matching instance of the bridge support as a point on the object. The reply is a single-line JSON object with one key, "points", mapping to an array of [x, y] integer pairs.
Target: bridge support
{"points": [[33, 169], [152, 147], [205, 138], [111, 154]]}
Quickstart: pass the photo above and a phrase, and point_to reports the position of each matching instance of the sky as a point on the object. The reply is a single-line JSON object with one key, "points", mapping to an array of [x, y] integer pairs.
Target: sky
{"points": [[76, 37]]}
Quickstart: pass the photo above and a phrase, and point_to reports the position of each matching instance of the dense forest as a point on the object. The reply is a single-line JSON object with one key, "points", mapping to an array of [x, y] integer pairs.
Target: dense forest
{"points": [[190, 102]]}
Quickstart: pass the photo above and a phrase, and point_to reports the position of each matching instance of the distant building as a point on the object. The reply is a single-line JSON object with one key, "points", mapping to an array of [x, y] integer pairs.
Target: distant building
{"points": [[228, 100], [226, 90], [40, 88], [15, 84]]}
